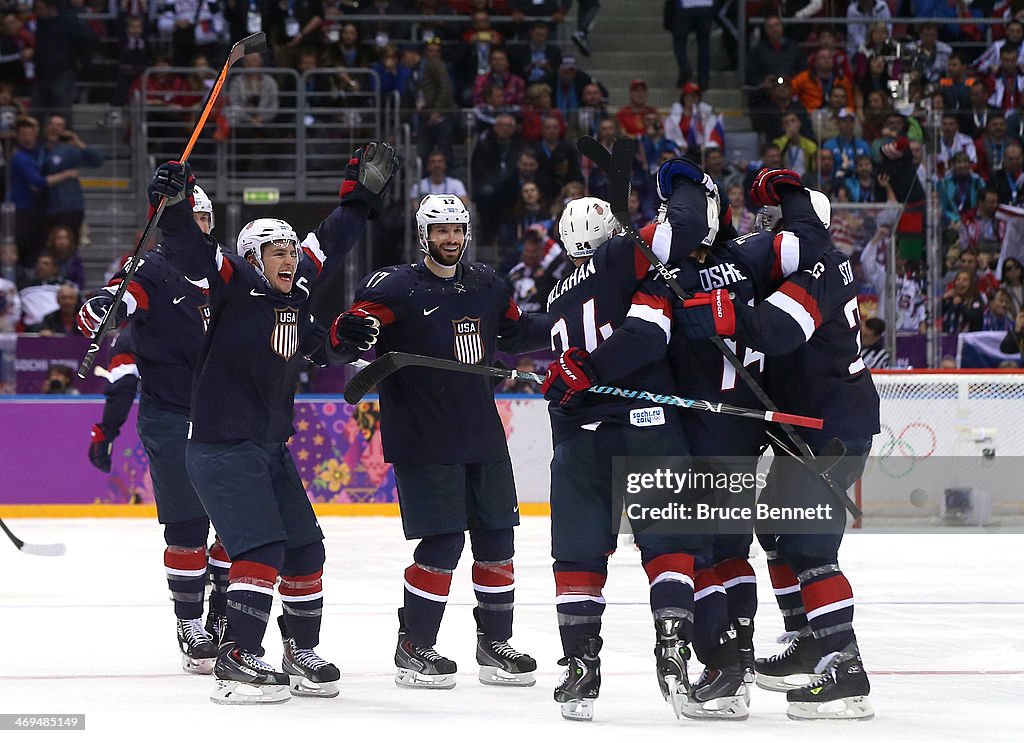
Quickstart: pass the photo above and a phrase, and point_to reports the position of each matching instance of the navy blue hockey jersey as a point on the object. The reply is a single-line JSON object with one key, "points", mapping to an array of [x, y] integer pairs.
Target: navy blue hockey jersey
{"points": [[122, 384], [248, 367], [431, 416]]}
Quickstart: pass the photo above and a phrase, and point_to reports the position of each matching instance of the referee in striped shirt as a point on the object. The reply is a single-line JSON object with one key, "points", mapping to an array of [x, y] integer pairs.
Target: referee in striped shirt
{"points": [[872, 346]]}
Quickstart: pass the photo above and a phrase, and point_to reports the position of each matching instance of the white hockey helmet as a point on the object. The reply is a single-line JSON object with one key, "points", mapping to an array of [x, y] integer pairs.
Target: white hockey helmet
{"points": [[441, 208], [259, 232], [768, 217], [585, 225], [202, 203]]}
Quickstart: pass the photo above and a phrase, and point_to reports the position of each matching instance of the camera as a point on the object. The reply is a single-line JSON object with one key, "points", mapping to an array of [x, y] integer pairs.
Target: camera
{"points": [[55, 385]]}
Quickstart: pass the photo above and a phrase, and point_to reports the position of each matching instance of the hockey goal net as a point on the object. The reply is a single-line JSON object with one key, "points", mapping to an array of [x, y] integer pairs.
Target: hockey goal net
{"points": [[949, 452]]}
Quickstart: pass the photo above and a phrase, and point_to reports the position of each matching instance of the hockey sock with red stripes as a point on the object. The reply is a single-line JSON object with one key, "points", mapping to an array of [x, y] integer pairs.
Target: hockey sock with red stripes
{"points": [[219, 565], [302, 593], [579, 599], [185, 566], [740, 583], [252, 577], [494, 581], [787, 592], [670, 577], [427, 583], [828, 599]]}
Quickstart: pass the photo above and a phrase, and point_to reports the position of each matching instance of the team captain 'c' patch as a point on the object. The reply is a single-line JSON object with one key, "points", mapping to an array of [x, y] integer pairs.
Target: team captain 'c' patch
{"points": [[469, 346], [285, 338]]}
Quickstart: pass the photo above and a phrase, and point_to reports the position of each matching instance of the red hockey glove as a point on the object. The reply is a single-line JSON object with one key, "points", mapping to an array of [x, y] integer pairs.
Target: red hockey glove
{"points": [[100, 448], [768, 183], [708, 314], [568, 376], [92, 313]]}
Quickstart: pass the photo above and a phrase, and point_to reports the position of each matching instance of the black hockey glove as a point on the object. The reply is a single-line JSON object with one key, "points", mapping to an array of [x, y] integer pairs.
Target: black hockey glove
{"points": [[172, 180], [368, 176], [352, 334], [314, 345], [100, 447], [567, 378]]}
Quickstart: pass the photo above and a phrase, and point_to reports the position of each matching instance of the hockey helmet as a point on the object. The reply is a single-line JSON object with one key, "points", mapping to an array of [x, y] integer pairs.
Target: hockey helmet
{"points": [[259, 232], [585, 225], [201, 203], [768, 217], [441, 208]]}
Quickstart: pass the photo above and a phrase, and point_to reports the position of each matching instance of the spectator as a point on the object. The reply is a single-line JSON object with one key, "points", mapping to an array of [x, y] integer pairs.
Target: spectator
{"points": [[1006, 83], [825, 121], [771, 158], [1014, 340], [681, 18], [985, 281], [10, 306], [960, 191], [1007, 181], [859, 16], [951, 142], [741, 216], [586, 13], [820, 176], [538, 109], [873, 350], [863, 187], [500, 75], [931, 55], [62, 245], [10, 269], [559, 163], [27, 189], [523, 11], [437, 115], [773, 56], [570, 90], [631, 116], [493, 166], [393, 77], [653, 144], [909, 296], [494, 104], [998, 315], [982, 231], [797, 150], [135, 57], [522, 386], [530, 278], [348, 52], [846, 147], [63, 320], [60, 380], [592, 111], [813, 86], [528, 171], [17, 48], [441, 29], [693, 124], [39, 293], [64, 151], [63, 44], [875, 76], [721, 172], [530, 212], [437, 181], [977, 116], [535, 60], [1011, 279], [988, 63], [991, 145], [767, 110], [955, 88], [876, 110], [252, 103], [962, 305], [292, 25]]}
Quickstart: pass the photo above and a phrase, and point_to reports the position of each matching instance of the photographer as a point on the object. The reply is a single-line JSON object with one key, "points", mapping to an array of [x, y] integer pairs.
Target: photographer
{"points": [[59, 381]]}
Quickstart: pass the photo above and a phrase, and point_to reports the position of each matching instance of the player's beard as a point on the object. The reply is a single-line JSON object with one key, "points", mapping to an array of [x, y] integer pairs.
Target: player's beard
{"points": [[444, 257]]}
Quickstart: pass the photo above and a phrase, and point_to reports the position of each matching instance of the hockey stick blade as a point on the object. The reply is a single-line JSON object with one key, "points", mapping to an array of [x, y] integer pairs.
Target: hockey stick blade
{"points": [[829, 456], [43, 550], [369, 377], [594, 151]]}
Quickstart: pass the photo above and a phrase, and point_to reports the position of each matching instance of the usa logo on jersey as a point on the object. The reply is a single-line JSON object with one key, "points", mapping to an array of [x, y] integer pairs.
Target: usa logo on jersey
{"points": [[469, 346], [285, 338], [204, 313]]}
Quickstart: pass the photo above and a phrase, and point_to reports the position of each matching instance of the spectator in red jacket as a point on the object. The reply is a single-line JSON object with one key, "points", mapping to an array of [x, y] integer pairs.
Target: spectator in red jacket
{"points": [[631, 116]]}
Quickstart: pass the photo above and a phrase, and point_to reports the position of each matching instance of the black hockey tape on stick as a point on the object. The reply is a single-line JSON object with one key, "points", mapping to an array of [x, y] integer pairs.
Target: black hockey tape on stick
{"points": [[249, 45], [619, 165], [386, 365], [43, 550]]}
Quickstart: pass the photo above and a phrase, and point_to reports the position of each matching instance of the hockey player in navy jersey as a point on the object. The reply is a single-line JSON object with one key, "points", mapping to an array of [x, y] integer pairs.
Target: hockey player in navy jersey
{"points": [[241, 418], [602, 331], [810, 329], [443, 436], [167, 313]]}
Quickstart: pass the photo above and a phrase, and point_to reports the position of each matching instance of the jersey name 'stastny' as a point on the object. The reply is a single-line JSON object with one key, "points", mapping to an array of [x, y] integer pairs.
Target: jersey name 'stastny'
{"points": [[582, 273]]}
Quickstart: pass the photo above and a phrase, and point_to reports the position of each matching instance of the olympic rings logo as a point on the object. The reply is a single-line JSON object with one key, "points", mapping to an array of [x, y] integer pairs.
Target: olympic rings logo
{"points": [[899, 454]]}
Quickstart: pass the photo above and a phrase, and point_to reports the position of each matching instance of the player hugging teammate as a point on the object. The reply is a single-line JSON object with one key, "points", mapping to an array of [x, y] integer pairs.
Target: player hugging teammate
{"points": [[442, 433]]}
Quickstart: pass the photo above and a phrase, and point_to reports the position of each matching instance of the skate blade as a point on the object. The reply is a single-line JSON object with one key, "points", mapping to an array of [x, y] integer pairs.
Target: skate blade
{"points": [[674, 693], [198, 666], [235, 692], [491, 676], [849, 708], [783, 683], [409, 679], [724, 708], [302, 687], [578, 710]]}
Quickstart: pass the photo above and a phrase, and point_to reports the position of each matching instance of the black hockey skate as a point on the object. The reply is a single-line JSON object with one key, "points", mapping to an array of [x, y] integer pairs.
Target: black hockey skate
{"points": [[745, 645], [309, 674], [500, 663], [720, 693], [793, 667], [421, 668], [216, 626], [198, 649], [581, 681], [671, 654], [245, 678], [839, 693]]}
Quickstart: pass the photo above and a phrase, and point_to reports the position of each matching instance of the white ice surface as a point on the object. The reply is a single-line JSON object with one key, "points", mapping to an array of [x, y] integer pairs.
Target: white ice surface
{"points": [[940, 619]]}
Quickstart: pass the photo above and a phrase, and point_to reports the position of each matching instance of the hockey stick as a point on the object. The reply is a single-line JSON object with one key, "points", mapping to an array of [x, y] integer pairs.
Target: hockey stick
{"points": [[389, 363], [257, 43], [619, 164], [44, 550]]}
